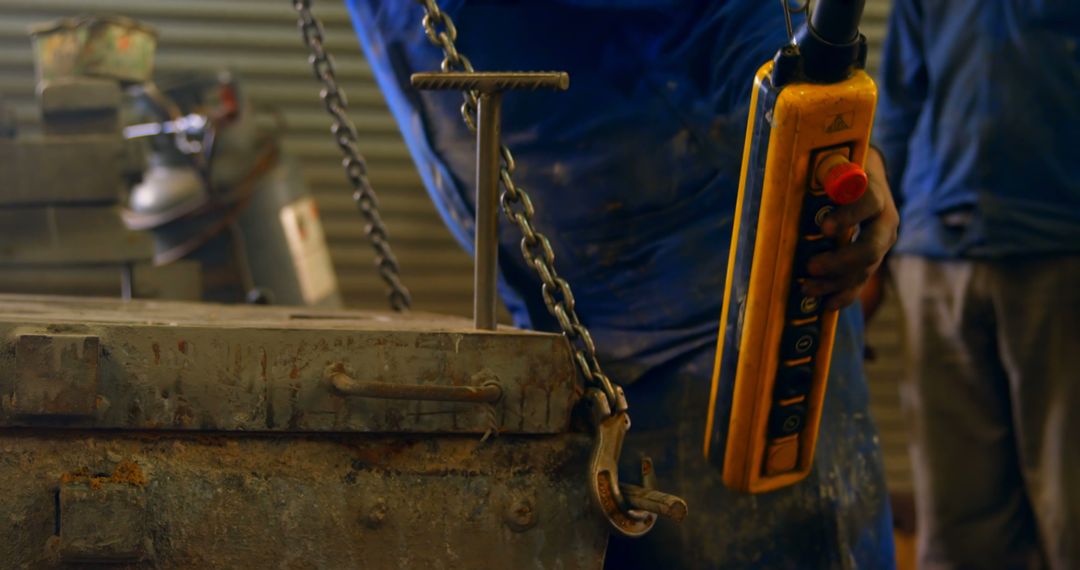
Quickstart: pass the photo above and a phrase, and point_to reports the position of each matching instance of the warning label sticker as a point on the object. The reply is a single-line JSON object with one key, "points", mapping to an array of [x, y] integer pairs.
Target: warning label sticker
{"points": [[841, 122], [307, 248]]}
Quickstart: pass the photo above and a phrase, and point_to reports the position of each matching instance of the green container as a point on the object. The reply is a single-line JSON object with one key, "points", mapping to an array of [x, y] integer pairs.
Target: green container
{"points": [[110, 47]]}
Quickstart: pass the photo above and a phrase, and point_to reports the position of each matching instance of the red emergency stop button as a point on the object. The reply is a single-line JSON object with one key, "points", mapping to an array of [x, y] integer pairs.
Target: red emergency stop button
{"points": [[843, 180]]}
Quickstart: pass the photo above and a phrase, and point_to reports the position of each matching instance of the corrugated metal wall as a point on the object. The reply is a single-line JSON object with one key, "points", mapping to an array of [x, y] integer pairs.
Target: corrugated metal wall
{"points": [[258, 40]]}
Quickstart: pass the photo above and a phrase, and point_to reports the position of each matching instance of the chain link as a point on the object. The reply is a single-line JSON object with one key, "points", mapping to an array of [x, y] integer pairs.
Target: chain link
{"points": [[345, 135], [518, 208]]}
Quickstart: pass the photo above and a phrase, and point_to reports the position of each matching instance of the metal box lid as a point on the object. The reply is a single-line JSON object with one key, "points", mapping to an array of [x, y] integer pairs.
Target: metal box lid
{"points": [[109, 364]]}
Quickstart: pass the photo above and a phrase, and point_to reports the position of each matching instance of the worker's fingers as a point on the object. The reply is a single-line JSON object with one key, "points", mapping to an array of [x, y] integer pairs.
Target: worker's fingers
{"points": [[836, 294], [850, 265], [876, 200], [856, 261], [838, 275], [828, 288], [845, 218]]}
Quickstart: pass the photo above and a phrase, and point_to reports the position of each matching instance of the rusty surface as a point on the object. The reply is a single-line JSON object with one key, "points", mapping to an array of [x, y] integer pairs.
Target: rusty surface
{"points": [[176, 500], [216, 441], [125, 473], [55, 375], [101, 521], [484, 389], [184, 366]]}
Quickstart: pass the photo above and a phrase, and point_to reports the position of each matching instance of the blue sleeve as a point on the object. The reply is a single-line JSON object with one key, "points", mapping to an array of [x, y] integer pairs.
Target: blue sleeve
{"points": [[902, 85]]}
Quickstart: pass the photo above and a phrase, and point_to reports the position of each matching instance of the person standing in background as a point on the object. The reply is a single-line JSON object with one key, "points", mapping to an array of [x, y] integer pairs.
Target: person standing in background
{"points": [[979, 124]]}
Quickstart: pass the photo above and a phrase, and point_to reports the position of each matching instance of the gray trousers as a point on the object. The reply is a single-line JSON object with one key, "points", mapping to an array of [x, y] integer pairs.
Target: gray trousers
{"points": [[992, 397]]}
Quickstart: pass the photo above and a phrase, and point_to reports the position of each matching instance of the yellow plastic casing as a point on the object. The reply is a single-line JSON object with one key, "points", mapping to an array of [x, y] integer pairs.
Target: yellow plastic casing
{"points": [[806, 118]]}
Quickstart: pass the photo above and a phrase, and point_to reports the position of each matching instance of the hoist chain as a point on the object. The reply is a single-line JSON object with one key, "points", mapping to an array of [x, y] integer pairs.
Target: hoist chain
{"points": [[345, 136], [518, 208]]}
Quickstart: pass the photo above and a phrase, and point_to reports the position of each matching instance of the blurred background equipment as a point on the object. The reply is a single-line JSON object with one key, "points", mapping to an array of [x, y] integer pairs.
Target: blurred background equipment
{"points": [[258, 41], [213, 192], [60, 201], [218, 190]]}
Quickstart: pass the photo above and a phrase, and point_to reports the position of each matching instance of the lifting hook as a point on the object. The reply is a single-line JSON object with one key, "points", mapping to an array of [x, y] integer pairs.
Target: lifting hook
{"points": [[631, 510]]}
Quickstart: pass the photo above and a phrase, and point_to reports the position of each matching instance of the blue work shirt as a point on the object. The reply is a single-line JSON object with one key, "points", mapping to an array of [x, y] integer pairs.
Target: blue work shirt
{"points": [[634, 174], [979, 123], [647, 139]]}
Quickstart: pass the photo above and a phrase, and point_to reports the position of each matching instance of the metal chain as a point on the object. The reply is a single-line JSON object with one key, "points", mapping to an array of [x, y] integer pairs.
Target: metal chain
{"points": [[345, 136], [518, 208]]}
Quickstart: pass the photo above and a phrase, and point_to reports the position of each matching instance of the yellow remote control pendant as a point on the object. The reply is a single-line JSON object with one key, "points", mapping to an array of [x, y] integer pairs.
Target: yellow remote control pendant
{"points": [[806, 143]]}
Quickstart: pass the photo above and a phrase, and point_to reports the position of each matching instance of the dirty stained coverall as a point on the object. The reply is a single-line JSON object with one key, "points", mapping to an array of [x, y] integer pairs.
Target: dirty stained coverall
{"points": [[634, 173], [979, 123]]}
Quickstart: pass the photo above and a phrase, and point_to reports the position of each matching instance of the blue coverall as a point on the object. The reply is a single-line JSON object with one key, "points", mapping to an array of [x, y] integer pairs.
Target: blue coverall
{"points": [[634, 173]]}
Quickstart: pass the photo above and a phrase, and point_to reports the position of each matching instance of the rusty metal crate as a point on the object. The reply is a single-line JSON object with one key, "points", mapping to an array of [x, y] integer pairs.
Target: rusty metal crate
{"points": [[178, 435]]}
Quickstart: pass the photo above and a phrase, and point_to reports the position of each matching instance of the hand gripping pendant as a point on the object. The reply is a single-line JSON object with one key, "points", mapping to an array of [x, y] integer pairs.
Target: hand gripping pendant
{"points": [[807, 136]]}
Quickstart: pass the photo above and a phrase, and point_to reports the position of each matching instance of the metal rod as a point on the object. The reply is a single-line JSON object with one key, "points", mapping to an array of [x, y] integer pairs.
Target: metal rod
{"points": [[127, 282], [487, 393], [653, 501], [243, 262], [487, 216], [491, 81], [837, 21]]}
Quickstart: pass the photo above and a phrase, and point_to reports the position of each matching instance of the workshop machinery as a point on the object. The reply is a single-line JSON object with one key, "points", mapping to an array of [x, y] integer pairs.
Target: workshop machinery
{"points": [[150, 186], [62, 189], [219, 190]]}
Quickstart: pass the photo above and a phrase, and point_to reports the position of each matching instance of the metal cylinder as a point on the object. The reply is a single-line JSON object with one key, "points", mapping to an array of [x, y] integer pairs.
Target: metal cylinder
{"points": [[491, 81], [487, 220], [837, 21]]}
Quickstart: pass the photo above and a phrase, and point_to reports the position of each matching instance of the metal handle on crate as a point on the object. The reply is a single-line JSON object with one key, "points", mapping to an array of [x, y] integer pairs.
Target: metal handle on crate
{"points": [[486, 391]]}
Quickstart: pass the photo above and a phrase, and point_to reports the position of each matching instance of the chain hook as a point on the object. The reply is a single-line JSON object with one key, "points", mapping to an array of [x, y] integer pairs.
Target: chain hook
{"points": [[604, 470], [631, 510]]}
